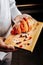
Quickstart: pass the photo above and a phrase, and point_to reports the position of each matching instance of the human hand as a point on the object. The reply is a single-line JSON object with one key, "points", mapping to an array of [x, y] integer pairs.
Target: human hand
{"points": [[6, 48]]}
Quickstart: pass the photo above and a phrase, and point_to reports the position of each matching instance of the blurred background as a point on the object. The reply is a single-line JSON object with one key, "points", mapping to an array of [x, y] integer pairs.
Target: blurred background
{"points": [[32, 7], [22, 57]]}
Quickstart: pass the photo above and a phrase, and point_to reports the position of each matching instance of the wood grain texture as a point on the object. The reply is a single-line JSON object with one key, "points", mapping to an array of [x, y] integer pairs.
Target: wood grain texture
{"points": [[35, 36]]}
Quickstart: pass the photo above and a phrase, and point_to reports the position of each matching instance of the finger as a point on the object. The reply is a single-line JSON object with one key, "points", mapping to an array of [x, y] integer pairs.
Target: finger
{"points": [[3, 38], [2, 44], [11, 48], [4, 47], [8, 49]]}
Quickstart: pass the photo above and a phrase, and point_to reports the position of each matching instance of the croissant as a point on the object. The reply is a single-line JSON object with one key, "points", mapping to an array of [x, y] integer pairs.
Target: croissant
{"points": [[24, 25]]}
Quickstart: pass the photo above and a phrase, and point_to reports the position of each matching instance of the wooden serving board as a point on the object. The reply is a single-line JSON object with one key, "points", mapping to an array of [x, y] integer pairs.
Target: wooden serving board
{"points": [[27, 40]]}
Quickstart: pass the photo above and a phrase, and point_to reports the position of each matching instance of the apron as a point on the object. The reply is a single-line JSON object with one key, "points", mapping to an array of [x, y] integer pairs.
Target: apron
{"points": [[5, 16], [5, 20]]}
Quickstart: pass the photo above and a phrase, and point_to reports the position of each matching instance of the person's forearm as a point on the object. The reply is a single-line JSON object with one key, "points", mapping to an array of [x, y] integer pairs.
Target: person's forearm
{"points": [[15, 12], [14, 9]]}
